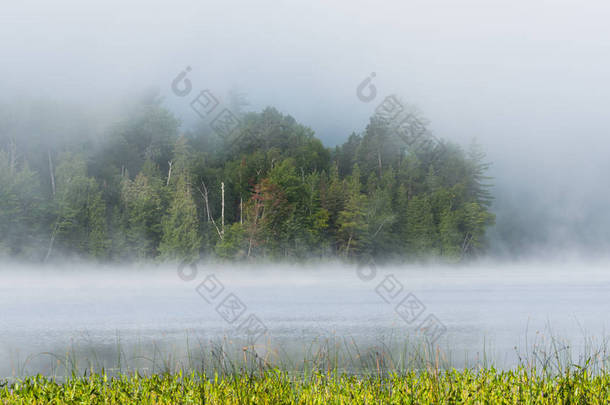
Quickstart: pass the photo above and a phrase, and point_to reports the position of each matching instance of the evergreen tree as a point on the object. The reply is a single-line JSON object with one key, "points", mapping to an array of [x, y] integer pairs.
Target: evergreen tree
{"points": [[352, 222], [80, 211], [143, 202], [450, 236], [477, 180], [421, 233], [180, 237], [21, 207]]}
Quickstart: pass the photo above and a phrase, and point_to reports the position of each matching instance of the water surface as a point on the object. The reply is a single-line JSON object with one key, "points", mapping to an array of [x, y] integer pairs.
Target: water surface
{"points": [[491, 312]]}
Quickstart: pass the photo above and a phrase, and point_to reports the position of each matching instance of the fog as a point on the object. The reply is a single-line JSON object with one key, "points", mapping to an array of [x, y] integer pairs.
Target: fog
{"points": [[527, 79], [155, 317]]}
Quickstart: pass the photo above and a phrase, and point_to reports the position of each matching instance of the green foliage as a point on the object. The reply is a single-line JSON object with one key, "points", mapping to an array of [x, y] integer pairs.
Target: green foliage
{"points": [[142, 200], [234, 244], [148, 193], [486, 386], [352, 225], [80, 211], [421, 232], [21, 207], [180, 237]]}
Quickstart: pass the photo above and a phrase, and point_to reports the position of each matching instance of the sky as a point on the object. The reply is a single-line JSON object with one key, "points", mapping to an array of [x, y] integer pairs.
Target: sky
{"points": [[527, 79]]}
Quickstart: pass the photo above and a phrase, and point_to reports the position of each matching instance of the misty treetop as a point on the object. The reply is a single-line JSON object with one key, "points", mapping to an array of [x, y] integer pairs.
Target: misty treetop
{"points": [[141, 190]]}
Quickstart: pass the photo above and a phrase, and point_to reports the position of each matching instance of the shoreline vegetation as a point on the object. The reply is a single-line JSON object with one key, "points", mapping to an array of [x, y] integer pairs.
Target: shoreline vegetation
{"points": [[237, 353], [232, 373], [276, 387], [141, 189]]}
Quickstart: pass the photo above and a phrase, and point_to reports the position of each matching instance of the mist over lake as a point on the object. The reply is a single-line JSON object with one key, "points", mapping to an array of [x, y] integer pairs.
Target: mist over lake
{"points": [[491, 311]]}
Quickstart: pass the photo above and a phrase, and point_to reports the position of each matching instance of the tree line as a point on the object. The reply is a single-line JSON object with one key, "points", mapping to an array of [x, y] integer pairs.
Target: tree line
{"points": [[271, 190]]}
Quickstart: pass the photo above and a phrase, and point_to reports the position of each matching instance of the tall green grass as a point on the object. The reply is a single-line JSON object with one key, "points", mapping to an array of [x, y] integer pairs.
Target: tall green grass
{"points": [[489, 386], [330, 371], [544, 353]]}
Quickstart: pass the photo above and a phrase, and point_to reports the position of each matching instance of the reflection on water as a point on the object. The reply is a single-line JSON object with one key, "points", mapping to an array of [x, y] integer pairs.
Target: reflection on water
{"points": [[150, 318]]}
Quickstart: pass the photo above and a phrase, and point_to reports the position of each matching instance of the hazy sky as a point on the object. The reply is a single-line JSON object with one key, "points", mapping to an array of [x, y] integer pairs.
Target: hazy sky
{"points": [[527, 78]]}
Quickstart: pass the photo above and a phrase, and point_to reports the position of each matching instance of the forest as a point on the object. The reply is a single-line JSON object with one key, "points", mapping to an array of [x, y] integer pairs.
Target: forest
{"points": [[146, 190]]}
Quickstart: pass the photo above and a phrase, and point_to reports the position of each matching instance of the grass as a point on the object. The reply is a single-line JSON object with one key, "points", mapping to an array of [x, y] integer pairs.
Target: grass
{"points": [[333, 371], [519, 386], [387, 354]]}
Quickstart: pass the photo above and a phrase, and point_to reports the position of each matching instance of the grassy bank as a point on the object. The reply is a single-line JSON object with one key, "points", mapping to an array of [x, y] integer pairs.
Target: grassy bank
{"points": [[275, 387]]}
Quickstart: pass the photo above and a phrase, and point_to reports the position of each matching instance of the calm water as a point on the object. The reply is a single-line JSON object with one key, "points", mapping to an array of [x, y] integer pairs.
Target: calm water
{"points": [[152, 313]]}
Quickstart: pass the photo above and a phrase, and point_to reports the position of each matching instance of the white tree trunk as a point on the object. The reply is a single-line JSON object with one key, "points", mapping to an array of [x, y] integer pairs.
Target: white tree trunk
{"points": [[52, 172], [204, 194], [222, 212], [169, 173]]}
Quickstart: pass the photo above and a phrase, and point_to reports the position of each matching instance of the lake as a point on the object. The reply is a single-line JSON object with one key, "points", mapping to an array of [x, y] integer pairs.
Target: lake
{"points": [[150, 317]]}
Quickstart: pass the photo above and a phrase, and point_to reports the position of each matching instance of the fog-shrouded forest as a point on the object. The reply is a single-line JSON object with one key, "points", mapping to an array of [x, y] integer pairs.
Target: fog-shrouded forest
{"points": [[527, 81], [145, 190]]}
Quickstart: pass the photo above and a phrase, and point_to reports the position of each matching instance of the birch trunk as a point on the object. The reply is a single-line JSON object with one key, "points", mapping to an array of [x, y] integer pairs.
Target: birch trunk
{"points": [[52, 172], [222, 212]]}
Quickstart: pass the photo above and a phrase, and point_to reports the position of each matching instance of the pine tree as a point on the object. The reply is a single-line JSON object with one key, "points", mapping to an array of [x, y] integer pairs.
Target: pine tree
{"points": [[450, 236], [21, 207], [421, 233], [180, 238], [142, 199], [478, 185], [352, 227], [80, 211], [97, 228], [476, 219], [334, 198]]}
